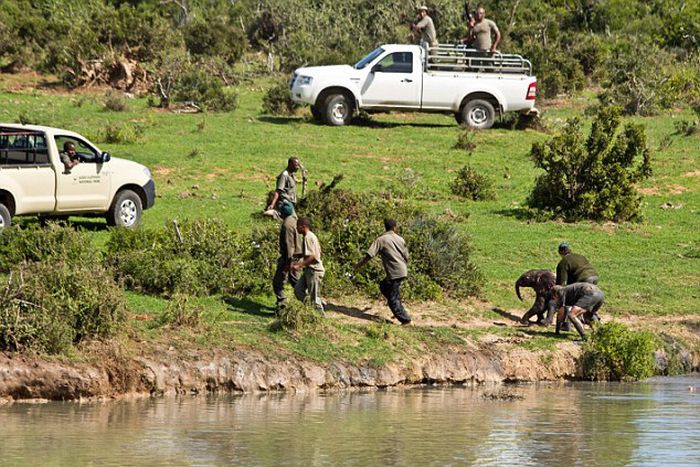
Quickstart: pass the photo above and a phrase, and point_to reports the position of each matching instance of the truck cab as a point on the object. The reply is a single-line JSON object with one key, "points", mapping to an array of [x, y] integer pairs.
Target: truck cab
{"points": [[34, 180]]}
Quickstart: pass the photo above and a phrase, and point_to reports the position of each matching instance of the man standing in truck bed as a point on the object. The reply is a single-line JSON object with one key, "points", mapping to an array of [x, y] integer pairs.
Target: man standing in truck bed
{"points": [[480, 35], [428, 37]]}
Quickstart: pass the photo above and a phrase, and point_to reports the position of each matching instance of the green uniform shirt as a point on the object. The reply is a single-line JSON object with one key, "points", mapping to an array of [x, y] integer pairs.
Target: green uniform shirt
{"points": [[481, 33], [392, 249], [574, 268], [287, 187], [311, 247]]}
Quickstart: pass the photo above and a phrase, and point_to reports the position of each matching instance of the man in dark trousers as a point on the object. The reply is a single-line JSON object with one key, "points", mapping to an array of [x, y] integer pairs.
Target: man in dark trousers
{"points": [[394, 253], [577, 302], [574, 268], [541, 281], [290, 247]]}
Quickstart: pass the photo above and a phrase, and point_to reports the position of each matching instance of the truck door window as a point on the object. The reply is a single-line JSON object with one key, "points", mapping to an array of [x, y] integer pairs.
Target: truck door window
{"points": [[86, 152], [397, 62], [23, 148]]}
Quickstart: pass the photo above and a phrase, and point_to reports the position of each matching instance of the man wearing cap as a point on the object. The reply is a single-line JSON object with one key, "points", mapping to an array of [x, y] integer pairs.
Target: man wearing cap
{"points": [[289, 245], [425, 26], [574, 268], [392, 249]]}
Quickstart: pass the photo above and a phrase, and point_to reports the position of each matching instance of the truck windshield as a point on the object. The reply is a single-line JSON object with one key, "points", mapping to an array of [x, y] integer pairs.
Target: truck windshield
{"points": [[368, 58]]}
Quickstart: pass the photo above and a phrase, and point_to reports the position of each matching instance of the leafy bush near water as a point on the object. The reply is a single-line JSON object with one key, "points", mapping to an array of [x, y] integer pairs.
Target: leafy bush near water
{"points": [[50, 306], [615, 352]]}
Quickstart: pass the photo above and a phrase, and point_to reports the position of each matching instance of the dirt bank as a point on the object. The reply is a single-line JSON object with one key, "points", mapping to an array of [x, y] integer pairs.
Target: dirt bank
{"points": [[166, 371]]}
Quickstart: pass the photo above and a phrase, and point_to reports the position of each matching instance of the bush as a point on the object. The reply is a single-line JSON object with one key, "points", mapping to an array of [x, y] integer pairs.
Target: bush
{"points": [[120, 133], [297, 316], [592, 178], [466, 139], [615, 352], [205, 91], [195, 258], [116, 101], [277, 100], [50, 306], [214, 37], [34, 244], [470, 184], [347, 222], [180, 312]]}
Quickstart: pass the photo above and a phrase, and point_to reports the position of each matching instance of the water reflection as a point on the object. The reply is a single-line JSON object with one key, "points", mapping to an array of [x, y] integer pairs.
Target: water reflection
{"points": [[649, 423]]}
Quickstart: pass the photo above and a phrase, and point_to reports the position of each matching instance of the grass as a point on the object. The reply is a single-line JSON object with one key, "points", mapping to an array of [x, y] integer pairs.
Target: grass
{"points": [[222, 165]]}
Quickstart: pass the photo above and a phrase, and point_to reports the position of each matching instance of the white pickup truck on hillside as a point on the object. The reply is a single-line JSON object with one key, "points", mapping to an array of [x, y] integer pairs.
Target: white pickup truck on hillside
{"points": [[473, 85], [34, 180]]}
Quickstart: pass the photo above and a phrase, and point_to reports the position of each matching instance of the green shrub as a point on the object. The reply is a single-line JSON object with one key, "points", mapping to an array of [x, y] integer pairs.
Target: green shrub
{"points": [[297, 316], [180, 312], [277, 100], [205, 91], [195, 258], [50, 306], [120, 133], [470, 184], [116, 101], [53, 242], [215, 37], [594, 177], [466, 139], [615, 352]]}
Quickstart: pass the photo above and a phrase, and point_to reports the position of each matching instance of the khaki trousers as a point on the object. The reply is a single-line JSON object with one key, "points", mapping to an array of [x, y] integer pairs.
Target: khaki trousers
{"points": [[310, 284]]}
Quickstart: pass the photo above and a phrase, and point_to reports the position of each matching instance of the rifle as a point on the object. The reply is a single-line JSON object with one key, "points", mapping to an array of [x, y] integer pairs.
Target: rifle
{"points": [[304, 178]]}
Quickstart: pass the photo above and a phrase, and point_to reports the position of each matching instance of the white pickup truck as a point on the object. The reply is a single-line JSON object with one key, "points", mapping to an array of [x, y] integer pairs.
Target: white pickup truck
{"points": [[473, 85], [34, 180]]}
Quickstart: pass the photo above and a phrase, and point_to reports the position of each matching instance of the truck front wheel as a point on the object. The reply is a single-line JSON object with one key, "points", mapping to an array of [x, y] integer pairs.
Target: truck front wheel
{"points": [[479, 114], [126, 210], [337, 110], [5, 217]]}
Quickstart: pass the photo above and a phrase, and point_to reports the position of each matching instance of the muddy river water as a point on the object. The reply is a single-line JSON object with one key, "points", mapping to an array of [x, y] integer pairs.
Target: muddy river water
{"points": [[656, 422]]}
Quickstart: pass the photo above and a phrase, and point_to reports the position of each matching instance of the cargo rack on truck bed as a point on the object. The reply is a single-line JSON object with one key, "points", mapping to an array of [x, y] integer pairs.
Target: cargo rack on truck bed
{"points": [[460, 58]]}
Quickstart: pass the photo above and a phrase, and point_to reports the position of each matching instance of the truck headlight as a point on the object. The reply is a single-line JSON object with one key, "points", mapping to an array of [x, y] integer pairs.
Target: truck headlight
{"points": [[304, 80]]}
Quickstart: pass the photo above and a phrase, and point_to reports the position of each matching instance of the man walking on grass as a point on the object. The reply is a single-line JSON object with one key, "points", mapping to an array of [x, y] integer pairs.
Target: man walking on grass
{"points": [[394, 253], [309, 284]]}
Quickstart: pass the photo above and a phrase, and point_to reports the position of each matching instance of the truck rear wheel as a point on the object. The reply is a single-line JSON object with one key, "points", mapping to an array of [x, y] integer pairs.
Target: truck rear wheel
{"points": [[478, 114], [5, 217], [126, 210], [337, 110]]}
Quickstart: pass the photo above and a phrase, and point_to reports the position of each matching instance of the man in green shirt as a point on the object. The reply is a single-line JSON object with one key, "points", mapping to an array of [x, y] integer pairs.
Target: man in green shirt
{"points": [[392, 249], [286, 186], [310, 282], [574, 268]]}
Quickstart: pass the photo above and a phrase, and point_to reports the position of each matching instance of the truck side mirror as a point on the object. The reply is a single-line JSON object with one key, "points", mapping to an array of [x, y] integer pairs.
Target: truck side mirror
{"points": [[105, 157]]}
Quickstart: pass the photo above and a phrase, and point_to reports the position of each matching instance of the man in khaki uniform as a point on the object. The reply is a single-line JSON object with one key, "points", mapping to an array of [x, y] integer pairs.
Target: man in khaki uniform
{"points": [[392, 249], [479, 35], [310, 282], [290, 246], [428, 37]]}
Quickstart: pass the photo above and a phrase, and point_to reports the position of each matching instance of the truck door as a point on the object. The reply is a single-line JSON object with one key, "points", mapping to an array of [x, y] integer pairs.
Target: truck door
{"points": [[395, 81], [24, 159], [85, 187]]}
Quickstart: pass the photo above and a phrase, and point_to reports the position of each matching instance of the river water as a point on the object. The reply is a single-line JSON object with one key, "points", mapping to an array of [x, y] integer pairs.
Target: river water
{"points": [[656, 422]]}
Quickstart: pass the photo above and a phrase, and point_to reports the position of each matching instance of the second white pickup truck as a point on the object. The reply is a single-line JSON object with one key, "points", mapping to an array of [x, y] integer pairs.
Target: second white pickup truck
{"points": [[474, 86]]}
